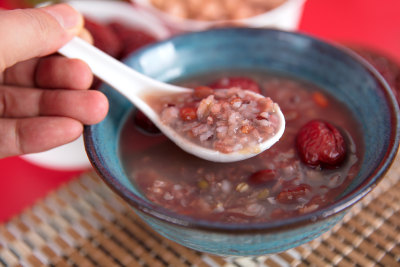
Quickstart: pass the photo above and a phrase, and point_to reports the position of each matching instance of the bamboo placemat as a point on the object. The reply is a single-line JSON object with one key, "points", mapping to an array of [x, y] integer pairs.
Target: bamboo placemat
{"points": [[85, 224]]}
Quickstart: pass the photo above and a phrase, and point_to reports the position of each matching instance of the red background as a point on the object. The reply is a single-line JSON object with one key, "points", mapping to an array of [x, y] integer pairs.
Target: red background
{"points": [[372, 23]]}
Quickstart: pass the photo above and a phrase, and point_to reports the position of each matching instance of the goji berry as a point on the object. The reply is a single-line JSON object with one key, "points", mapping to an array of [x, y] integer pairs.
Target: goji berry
{"points": [[188, 113], [320, 99], [246, 129]]}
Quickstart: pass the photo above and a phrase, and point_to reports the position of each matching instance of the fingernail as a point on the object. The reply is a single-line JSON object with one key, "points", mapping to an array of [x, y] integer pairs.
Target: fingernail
{"points": [[66, 15]]}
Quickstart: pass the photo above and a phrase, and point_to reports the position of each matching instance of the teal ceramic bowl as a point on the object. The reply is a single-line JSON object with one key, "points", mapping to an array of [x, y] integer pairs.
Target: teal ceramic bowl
{"points": [[340, 72]]}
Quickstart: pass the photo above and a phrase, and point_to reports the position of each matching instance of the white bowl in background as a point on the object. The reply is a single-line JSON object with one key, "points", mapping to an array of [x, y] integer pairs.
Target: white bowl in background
{"points": [[284, 17], [71, 156], [108, 10]]}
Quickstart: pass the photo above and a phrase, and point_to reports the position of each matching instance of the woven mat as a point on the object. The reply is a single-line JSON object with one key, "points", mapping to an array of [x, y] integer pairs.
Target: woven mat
{"points": [[85, 224]]}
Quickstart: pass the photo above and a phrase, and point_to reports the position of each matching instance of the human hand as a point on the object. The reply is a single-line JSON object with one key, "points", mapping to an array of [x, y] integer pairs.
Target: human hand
{"points": [[44, 100]]}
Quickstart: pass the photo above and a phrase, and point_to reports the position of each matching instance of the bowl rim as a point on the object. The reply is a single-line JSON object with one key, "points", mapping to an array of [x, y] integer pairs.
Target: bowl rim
{"points": [[324, 213]]}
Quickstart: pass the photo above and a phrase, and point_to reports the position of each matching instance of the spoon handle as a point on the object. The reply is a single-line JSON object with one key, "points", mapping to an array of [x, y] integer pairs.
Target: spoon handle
{"points": [[124, 79]]}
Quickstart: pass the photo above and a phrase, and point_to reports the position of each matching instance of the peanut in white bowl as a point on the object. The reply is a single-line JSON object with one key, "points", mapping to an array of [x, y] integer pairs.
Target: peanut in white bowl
{"points": [[285, 16]]}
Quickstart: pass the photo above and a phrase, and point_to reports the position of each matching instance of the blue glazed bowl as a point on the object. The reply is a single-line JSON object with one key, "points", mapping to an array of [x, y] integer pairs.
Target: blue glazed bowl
{"points": [[340, 72]]}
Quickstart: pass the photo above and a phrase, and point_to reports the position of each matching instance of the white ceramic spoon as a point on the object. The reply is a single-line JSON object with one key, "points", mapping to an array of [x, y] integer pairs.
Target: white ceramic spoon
{"points": [[134, 85]]}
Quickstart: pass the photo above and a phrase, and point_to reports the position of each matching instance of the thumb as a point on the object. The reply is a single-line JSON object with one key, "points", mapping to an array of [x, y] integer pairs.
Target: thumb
{"points": [[29, 33]]}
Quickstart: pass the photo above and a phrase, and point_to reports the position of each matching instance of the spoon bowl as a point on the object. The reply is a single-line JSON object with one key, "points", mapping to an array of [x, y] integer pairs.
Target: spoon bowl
{"points": [[135, 86]]}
